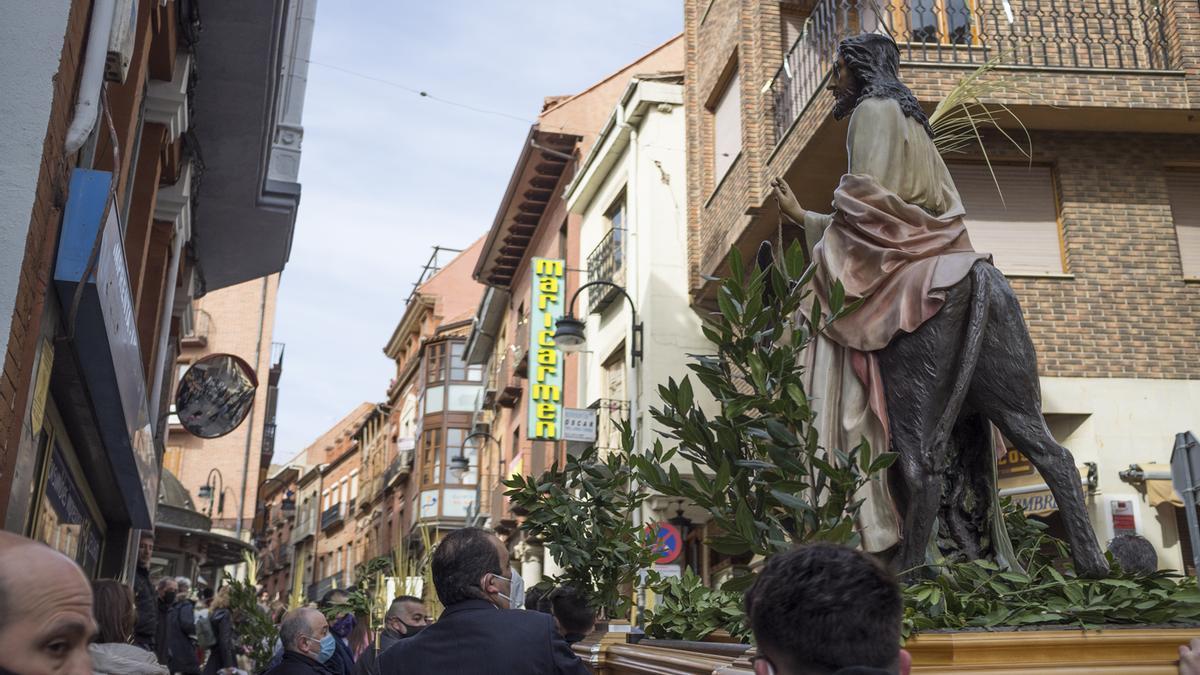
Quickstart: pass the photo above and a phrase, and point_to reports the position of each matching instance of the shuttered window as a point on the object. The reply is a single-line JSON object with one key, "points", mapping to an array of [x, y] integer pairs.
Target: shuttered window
{"points": [[727, 127], [1183, 187], [1020, 231]]}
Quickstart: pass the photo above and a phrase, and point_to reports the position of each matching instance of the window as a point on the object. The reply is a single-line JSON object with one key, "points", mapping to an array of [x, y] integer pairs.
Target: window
{"points": [[791, 18], [1183, 189], [935, 21], [1022, 233], [727, 125], [435, 362], [459, 370], [435, 399], [463, 397], [616, 221], [431, 456], [353, 485]]}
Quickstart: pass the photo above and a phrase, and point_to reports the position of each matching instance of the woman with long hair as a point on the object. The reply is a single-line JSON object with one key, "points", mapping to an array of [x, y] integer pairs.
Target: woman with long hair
{"points": [[112, 653], [360, 635], [222, 655]]}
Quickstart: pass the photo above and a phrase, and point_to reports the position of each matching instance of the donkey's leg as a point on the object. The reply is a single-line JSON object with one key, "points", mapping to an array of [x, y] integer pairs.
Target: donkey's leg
{"points": [[919, 371], [1006, 389]]}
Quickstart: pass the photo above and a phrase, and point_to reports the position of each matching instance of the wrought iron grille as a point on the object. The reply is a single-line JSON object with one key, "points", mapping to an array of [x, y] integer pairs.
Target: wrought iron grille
{"points": [[1040, 34], [606, 262], [609, 413]]}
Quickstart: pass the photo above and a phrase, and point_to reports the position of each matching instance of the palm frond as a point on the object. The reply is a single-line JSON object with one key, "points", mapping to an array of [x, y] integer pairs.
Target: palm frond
{"points": [[957, 120]]}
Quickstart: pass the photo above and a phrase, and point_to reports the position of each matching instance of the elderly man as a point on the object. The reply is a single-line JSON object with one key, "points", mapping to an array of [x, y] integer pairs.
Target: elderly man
{"points": [[307, 643], [166, 591], [482, 629], [405, 617], [45, 611]]}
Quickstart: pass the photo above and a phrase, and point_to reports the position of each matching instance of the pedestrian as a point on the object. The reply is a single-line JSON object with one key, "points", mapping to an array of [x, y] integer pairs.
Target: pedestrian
{"points": [[307, 643], [573, 617], [405, 617], [342, 662], [222, 656], [278, 609], [181, 632], [165, 590], [146, 627], [825, 608], [479, 631], [45, 611], [114, 608]]}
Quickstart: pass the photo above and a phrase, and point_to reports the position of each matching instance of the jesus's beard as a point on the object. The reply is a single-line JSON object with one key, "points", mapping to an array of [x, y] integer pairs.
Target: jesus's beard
{"points": [[845, 102]]}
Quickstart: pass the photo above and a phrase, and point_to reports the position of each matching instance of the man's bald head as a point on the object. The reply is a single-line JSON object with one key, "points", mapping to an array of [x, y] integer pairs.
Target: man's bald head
{"points": [[45, 609]]}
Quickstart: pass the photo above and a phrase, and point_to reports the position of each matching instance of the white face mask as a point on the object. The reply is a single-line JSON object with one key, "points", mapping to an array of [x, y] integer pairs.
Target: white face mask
{"points": [[516, 591]]}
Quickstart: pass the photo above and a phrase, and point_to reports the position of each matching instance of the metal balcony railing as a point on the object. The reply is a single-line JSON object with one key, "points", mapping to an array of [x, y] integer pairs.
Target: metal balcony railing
{"points": [[331, 516], [315, 591], [606, 262], [608, 413], [1038, 34], [268, 441]]}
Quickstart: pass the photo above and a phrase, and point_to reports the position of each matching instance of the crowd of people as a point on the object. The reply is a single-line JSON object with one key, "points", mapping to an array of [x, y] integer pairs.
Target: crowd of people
{"points": [[820, 609]]}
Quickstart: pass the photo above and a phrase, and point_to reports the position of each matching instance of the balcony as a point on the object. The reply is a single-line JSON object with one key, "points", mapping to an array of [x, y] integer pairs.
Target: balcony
{"points": [[283, 512], [277, 349], [315, 591], [332, 516], [608, 413], [1074, 35], [606, 262], [195, 330]]}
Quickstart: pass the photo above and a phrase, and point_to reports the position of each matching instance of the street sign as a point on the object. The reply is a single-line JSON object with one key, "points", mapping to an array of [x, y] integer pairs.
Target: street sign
{"points": [[1185, 476], [666, 539], [579, 424]]}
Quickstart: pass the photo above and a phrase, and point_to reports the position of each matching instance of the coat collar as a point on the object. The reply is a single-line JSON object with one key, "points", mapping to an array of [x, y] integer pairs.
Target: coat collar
{"points": [[467, 605]]}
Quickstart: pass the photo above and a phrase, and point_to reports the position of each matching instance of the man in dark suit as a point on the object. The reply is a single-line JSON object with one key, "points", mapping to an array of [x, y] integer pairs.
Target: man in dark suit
{"points": [[477, 631]]}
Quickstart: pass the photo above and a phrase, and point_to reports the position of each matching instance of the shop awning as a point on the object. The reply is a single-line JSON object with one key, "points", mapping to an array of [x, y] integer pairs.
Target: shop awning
{"points": [[1033, 495], [1159, 489]]}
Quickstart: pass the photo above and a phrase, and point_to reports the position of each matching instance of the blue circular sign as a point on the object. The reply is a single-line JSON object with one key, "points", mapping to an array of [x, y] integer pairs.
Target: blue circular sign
{"points": [[667, 541]]}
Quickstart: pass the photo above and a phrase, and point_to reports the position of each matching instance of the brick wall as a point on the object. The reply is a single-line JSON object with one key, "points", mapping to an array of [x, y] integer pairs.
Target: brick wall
{"points": [[1125, 311], [53, 178]]}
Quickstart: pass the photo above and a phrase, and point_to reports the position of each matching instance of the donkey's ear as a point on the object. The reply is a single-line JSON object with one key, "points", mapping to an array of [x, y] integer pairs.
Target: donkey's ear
{"points": [[766, 255]]}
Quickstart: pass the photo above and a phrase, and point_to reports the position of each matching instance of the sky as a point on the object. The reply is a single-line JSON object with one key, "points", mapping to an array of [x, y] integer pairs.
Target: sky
{"points": [[387, 174]]}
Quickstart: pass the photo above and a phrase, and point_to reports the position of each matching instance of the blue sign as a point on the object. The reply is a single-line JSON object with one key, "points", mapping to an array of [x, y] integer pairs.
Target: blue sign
{"points": [[106, 340]]}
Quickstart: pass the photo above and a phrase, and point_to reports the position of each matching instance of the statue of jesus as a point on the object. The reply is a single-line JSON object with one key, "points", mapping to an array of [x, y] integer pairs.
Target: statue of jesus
{"points": [[896, 239]]}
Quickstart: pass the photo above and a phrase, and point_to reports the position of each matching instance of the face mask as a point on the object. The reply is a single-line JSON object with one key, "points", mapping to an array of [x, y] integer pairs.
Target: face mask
{"points": [[516, 591], [343, 626], [327, 647], [411, 629], [169, 597]]}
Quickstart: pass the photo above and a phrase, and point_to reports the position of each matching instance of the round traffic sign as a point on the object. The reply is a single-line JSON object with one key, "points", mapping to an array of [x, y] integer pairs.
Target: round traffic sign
{"points": [[666, 540]]}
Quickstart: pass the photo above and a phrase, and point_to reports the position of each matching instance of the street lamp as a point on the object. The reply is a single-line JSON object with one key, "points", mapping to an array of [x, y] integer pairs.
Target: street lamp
{"points": [[461, 464], [206, 491], [570, 334]]}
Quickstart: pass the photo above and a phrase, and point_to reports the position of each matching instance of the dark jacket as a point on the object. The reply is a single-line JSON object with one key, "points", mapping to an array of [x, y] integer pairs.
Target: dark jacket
{"points": [[145, 629], [342, 661], [475, 637], [368, 661], [162, 609], [181, 638], [293, 663], [221, 655]]}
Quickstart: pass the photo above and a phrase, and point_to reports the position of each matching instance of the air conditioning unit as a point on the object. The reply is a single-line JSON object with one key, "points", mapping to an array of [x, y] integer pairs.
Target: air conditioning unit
{"points": [[120, 40]]}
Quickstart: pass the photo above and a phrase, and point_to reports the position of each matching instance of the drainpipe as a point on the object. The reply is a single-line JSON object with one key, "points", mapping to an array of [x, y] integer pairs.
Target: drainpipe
{"points": [[92, 79], [262, 319], [632, 261], [164, 326]]}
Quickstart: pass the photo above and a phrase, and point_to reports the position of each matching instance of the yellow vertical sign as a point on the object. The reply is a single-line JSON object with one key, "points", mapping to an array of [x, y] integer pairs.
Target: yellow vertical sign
{"points": [[545, 363]]}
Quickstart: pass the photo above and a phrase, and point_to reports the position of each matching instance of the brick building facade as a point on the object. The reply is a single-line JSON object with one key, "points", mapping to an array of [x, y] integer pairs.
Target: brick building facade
{"points": [[106, 120], [1114, 145]]}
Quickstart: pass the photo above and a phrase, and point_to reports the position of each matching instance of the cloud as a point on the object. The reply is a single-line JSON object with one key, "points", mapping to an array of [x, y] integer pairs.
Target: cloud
{"points": [[388, 174]]}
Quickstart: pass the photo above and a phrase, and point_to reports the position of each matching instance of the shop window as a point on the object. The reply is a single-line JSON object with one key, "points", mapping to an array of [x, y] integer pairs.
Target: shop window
{"points": [[727, 124], [1021, 231], [1183, 189]]}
